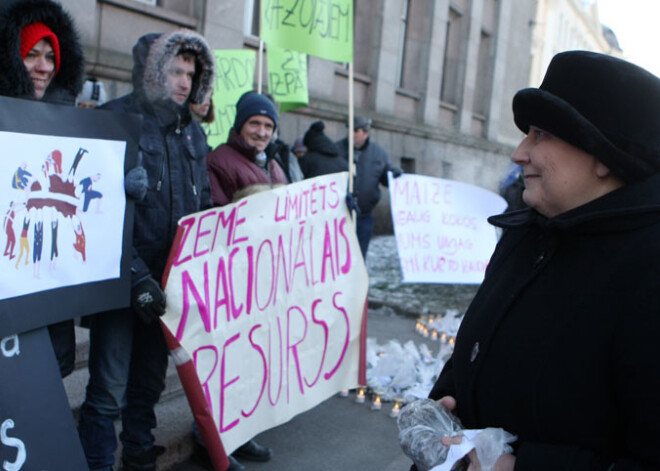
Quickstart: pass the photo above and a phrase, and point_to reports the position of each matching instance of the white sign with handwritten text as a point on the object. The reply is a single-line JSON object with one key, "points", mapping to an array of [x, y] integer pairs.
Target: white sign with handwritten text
{"points": [[441, 230], [267, 296]]}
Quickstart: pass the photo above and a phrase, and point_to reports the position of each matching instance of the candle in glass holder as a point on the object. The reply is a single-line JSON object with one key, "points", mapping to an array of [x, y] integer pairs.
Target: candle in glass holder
{"points": [[343, 393], [396, 408], [443, 337], [434, 334], [376, 405], [451, 340], [425, 332], [360, 396]]}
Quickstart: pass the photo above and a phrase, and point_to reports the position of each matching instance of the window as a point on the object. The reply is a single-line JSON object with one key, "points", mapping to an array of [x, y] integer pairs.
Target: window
{"points": [[403, 36], [451, 86], [408, 164], [484, 75]]}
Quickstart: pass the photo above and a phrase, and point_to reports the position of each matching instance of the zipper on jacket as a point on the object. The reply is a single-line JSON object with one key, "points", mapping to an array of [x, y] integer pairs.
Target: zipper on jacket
{"points": [[159, 184], [192, 177]]}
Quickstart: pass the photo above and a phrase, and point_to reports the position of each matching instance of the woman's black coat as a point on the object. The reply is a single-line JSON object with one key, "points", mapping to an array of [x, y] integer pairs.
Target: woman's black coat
{"points": [[561, 345]]}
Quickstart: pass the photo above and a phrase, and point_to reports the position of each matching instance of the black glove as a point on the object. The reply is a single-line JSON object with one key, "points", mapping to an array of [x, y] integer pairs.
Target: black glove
{"points": [[136, 183], [148, 300], [396, 172], [351, 202]]}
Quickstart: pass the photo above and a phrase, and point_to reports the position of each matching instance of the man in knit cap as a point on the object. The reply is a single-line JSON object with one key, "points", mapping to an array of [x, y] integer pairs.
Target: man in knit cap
{"points": [[241, 167]]}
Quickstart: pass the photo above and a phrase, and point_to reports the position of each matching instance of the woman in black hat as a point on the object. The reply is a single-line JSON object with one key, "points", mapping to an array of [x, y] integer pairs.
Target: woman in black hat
{"points": [[560, 345]]}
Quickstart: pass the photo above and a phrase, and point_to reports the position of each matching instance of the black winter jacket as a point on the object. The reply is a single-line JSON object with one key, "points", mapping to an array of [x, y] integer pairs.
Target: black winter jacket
{"points": [[560, 345], [172, 145], [371, 167], [322, 157]]}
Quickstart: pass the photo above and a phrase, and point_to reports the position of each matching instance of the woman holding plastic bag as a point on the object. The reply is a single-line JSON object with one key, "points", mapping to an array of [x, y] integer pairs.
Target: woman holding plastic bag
{"points": [[560, 345]]}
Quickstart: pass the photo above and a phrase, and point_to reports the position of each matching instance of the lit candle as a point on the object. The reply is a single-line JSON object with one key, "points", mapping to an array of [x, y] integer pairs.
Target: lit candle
{"points": [[343, 393], [425, 332], [434, 334], [443, 337], [431, 319], [360, 396], [451, 340], [376, 405], [396, 408]]}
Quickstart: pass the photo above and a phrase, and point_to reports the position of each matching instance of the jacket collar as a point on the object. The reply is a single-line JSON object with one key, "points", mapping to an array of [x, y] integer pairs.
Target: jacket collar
{"points": [[627, 208]]}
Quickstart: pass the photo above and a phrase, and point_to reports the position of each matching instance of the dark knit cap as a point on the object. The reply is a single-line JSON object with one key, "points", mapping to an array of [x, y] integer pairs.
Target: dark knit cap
{"points": [[253, 104], [605, 106], [316, 140]]}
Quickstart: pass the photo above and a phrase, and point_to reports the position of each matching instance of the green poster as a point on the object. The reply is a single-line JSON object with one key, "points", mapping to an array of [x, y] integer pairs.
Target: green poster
{"points": [[234, 76], [322, 28], [287, 78]]}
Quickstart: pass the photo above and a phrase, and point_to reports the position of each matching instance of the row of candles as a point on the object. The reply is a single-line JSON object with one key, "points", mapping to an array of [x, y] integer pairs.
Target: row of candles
{"points": [[429, 332], [376, 403]]}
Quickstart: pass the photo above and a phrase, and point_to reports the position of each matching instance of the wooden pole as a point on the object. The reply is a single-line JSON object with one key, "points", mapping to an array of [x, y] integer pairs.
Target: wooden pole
{"points": [[260, 60], [351, 163]]}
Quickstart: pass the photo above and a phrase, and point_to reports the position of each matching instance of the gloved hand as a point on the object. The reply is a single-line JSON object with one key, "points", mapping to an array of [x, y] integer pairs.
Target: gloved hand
{"points": [[148, 300], [351, 202], [396, 172], [136, 183]]}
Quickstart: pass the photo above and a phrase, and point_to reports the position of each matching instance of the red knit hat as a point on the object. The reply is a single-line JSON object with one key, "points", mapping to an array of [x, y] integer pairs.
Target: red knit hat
{"points": [[35, 32]]}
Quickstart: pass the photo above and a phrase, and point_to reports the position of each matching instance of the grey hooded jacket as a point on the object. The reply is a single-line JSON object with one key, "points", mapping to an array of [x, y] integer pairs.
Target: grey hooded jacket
{"points": [[172, 146]]}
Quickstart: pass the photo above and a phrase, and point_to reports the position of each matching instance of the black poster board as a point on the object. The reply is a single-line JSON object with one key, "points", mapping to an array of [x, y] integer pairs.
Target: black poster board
{"points": [[37, 431], [29, 311]]}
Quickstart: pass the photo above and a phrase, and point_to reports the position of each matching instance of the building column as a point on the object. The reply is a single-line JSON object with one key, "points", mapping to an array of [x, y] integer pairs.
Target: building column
{"points": [[499, 68], [384, 86]]}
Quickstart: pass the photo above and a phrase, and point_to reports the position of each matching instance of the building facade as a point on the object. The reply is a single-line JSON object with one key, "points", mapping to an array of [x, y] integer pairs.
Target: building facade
{"points": [[436, 76], [562, 25]]}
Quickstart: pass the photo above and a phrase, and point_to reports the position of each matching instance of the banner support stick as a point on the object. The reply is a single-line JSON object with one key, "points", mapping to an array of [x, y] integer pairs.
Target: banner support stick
{"points": [[351, 162], [260, 60]]}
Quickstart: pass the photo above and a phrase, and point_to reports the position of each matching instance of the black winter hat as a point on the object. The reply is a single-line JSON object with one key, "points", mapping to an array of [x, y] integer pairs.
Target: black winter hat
{"points": [[605, 106], [253, 104], [316, 140]]}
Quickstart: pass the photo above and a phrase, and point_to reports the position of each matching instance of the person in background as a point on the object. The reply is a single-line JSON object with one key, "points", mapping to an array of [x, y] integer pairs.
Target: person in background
{"points": [[299, 148], [281, 152], [42, 60], [242, 161], [128, 354], [92, 94], [322, 156], [204, 112], [559, 346], [371, 168]]}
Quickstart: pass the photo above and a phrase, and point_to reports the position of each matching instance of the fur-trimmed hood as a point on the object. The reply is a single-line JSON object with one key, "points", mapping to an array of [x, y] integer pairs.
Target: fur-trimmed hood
{"points": [[152, 56], [14, 78]]}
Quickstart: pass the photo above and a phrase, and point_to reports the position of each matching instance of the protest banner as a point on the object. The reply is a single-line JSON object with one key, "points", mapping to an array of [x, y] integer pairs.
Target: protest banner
{"points": [[318, 28], [287, 78], [441, 230], [234, 77], [67, 226], [37, 431], [267, 297]]}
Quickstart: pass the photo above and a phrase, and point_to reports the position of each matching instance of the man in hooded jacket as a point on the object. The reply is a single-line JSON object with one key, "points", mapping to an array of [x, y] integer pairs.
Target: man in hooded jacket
{"points": [[128, 353]]}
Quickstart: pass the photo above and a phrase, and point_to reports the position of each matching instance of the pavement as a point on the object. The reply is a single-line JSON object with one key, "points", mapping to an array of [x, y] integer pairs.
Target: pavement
{"points": [[338, 433]]}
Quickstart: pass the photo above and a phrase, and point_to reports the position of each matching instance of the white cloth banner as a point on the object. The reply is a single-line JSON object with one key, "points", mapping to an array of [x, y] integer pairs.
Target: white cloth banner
{"points": [[441, 230], [267, 296]]}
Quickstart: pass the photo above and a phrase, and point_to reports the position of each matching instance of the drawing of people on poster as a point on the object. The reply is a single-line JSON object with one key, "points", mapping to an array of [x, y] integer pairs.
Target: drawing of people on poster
{"points": [[48, 217]]}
